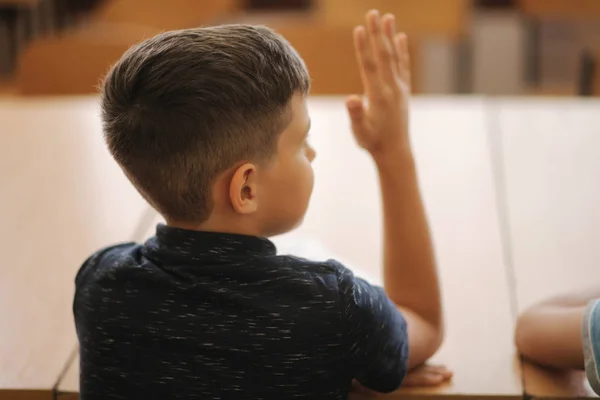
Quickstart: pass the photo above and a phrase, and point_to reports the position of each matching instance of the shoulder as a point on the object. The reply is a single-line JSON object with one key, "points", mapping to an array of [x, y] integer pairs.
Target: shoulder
{"points": [[329, 273], [107, 256], [303, 266]]}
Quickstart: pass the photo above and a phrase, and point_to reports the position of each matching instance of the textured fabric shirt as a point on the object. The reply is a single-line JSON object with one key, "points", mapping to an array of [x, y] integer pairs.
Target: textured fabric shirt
{"points": [[591, 344], [198, 315]]}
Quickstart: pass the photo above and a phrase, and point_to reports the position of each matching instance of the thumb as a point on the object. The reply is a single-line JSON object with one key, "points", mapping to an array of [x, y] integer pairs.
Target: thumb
{"points": [[356, 110]]}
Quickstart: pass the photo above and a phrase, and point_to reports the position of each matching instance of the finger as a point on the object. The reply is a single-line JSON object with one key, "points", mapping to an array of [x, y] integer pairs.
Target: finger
{"points": [[445, 372], [365, 59], [401, 45], [434, 368], [438, 369], [381, 46], [389, 28], [356, 110], [424, 379]]}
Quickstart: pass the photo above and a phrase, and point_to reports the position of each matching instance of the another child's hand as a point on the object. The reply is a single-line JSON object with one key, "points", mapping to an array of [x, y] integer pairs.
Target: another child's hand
{"points": [[424, 376], [381, 125]]}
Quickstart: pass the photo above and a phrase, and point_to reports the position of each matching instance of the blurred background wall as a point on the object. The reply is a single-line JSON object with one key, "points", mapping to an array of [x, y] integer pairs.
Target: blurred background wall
{"points": [[503, 47]]}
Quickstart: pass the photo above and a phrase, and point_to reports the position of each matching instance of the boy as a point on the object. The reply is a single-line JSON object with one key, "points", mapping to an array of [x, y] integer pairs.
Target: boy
{"points": [[564, 333], [211, 126]]}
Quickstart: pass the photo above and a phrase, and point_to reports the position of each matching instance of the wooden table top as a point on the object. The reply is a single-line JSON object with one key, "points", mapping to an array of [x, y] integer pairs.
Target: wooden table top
{"points": [[62, 198], [489, 172], [551, 172]]}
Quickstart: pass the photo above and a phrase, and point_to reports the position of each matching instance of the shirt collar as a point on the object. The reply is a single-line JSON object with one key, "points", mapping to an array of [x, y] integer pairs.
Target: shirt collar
{"points": [[188, 245]]}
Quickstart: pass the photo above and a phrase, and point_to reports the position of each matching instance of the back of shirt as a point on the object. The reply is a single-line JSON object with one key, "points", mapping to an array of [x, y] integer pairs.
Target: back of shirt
{"points": [[220, 316]]}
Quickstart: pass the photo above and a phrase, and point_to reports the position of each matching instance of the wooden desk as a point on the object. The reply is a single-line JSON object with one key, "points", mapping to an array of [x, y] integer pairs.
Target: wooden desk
{"points": [[62, 198], [452, 151], [551, 171]]}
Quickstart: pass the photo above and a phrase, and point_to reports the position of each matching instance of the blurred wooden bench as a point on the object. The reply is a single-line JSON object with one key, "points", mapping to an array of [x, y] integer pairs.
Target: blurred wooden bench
{"points": [[13, 15], [447, 18], [451, 147], [174, 14], [561, 9], [27, 3], [323, 37], [575, 17], [63, 198], [551, 169], [327, 50], [74, 61]]}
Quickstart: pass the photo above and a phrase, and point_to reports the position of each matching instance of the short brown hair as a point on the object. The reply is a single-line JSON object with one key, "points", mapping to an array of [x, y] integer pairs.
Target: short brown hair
{"points": [[184, 106]]}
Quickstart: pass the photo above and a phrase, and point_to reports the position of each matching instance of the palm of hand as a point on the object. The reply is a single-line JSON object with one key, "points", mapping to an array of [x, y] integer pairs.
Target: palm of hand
{"points": [[382, 55]]}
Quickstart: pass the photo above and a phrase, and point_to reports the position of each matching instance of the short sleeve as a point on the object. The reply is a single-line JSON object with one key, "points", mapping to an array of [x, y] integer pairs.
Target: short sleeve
{"points": [[376, 333], [591, 344], [92, 261]]}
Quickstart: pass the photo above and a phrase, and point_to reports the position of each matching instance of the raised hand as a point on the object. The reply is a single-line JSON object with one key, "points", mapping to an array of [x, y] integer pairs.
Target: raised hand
{"points": [[380, 124]]}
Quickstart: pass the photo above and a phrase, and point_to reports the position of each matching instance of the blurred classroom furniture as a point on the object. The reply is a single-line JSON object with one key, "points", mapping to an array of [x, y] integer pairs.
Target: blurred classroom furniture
{"points": [[73, 61], [565, 43], [561, 9], [22, 21], [63, 198], [496, 47], [449, 19]]}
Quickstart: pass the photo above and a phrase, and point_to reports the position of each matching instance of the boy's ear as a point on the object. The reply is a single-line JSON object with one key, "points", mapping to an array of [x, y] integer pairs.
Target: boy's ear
{"points": [[243, 188]]}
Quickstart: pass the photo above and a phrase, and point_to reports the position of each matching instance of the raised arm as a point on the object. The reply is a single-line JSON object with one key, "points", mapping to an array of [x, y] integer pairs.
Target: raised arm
{"points": [[381, 127]]}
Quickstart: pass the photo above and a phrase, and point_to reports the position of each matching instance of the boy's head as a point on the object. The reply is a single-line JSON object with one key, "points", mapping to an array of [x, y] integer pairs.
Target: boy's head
{"points": [[210, 125]]}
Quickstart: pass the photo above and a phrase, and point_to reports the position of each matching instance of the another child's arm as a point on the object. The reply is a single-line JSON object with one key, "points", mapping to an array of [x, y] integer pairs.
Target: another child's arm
{"points": [[550, 333], [381, 127]]}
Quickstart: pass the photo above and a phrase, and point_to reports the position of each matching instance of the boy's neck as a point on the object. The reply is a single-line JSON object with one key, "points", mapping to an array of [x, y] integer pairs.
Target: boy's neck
{"points": [[219, 226]]}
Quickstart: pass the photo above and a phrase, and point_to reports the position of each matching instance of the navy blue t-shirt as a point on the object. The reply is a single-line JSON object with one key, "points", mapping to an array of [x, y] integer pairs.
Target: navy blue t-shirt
{"points": [[197, 315]]}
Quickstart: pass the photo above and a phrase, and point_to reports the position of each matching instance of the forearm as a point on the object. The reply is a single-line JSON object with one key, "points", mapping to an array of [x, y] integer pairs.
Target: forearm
{"points": [[575, 299], [551, 336], [410, 275], [549, 332]]}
